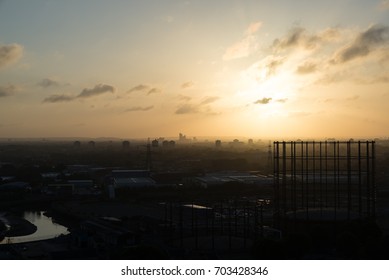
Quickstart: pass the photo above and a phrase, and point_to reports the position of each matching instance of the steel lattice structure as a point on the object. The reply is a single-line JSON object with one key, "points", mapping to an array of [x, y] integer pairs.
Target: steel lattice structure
{"points": [[324, 180]]}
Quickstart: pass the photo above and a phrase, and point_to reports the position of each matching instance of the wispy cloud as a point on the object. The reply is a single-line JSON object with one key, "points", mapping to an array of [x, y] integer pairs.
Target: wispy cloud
{"points": [[365, 42], [263, 101], [46, 83], [10, 54], [187, 85], [246, 46], [145, 88], [85, 93], [209, 100], [154, 90], [187, 109], [97, 90], [298, 37], [57, 98], [184, 97], [202, 107], [139, 87], [137, 108], [7, 91], [384, 5], [265, 68], [253, 28], [306, 68], [293, 39], [282, 100]]}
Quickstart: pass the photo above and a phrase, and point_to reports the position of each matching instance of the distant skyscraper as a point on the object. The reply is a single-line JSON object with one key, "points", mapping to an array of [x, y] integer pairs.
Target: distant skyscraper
{"points": [[181, 137]]}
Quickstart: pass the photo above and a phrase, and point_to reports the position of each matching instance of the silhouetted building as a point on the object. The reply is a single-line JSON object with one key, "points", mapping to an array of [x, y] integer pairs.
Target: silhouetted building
{"points": [[122, 180], [92, 144], [77, 144], [155, 143], [181, 137], [126, 144], [168, 144], [218, 143]]}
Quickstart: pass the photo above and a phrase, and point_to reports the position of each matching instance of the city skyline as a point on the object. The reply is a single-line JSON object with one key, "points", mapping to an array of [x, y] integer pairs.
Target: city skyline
{"points": [[138, 69]]}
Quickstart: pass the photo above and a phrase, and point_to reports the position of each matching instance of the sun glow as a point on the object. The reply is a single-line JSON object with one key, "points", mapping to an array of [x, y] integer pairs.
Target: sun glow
{"points": [[268, 95]]}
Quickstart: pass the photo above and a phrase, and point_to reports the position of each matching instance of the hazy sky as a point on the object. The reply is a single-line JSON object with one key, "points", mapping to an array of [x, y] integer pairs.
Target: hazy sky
{"points": [[122, 68]]}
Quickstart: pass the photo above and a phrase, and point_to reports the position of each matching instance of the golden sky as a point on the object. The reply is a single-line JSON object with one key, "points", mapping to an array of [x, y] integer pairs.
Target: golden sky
{"points": [[134, 69]]}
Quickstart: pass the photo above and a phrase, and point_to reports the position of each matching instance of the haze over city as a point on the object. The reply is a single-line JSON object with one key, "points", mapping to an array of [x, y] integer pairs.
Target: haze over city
{"points": [[208, 68]]}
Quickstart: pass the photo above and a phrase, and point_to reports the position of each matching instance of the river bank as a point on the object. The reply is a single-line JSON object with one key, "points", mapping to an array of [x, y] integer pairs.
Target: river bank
{"points": [[16, 226]]}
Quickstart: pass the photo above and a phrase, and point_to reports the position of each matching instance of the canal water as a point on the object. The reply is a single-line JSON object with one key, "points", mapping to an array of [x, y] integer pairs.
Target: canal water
{"points": [[46, 228]]}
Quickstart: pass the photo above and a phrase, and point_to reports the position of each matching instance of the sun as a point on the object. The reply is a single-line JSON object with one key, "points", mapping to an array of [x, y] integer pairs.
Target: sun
{"points": [[267, 96]]}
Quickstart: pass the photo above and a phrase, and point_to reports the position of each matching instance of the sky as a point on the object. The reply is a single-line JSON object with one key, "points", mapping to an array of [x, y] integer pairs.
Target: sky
{"points": [[153, 68]]}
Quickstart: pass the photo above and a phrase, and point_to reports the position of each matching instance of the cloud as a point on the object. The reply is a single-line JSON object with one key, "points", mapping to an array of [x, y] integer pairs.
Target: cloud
{"points": [[364, 44], [154, 90], [384, 5], [306, 68], [10, 54], [265, 68], [140, 87], [56, 98], [263, 101], [46, 83], [253, 27], [134, 109], [244, 47], [186, 109], [7, 91], [299, 38], [85, 93], [283, 100], [209, 100], [184, 97], [382, 79], [273, 64], [147, 88], [97, 90], [293, 39], [238, 50], [187, 85]]}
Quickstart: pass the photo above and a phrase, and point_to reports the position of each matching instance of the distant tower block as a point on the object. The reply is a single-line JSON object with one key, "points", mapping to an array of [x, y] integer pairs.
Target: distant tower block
{"points": [[148, 155], [326, 182], [77, 144], [126, 145], [155, 143], [165, 143], [269, 158], [218, 143], [172, 143]]}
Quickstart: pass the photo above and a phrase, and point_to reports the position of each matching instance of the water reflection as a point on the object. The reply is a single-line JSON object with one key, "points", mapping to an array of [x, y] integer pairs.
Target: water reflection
{"points": [[46, 228]]}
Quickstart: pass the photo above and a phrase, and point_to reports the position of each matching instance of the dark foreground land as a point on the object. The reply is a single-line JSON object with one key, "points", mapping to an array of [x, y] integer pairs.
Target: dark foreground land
{"points": [[190, 201]]}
